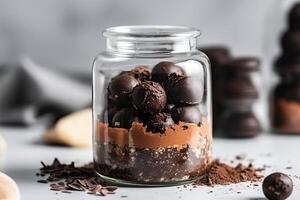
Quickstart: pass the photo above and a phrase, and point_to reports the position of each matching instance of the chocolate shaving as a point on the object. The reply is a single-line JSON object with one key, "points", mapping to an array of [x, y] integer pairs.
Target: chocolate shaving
{"points": [[68, 178]]}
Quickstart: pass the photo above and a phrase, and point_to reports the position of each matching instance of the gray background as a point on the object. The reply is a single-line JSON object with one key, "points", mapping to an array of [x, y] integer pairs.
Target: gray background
{"points": [[67, 33]]}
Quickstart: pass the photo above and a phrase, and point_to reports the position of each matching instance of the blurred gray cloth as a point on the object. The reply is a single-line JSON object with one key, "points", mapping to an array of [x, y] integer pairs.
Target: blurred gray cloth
{"points": [[29, 92]]}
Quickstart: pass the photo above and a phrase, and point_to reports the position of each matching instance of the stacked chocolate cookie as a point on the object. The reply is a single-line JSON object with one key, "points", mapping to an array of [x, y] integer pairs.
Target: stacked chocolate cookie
{"points": [[286, 105], [157, 98], [219, 56], [234, 93]]}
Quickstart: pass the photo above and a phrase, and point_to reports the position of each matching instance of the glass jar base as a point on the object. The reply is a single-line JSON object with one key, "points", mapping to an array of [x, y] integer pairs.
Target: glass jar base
{"points": [[120, 182]]}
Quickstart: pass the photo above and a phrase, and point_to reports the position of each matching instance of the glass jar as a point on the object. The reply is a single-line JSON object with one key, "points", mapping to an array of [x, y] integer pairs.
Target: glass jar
{"points": [[285, 90], [151, 106]]}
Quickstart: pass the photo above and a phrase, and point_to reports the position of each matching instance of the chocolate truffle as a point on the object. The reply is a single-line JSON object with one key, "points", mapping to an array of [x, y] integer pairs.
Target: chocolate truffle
{"points": [[189, 114], [183, 90], [149, 97], [163, 70], [168, 108], [294, 17], [124, 118], [241, 125], [142, 73], [277, 186], [290, 42], [158, 122], [120, 89], [243, 64], [111, 113]]}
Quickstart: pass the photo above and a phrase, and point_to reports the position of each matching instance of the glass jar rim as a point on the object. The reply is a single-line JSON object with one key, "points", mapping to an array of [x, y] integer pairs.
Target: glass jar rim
{"points": [[151, 32]]}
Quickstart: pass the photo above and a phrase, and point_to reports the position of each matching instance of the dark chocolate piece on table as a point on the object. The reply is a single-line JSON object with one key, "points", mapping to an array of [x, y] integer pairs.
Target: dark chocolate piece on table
{"points": [[277, 186]]}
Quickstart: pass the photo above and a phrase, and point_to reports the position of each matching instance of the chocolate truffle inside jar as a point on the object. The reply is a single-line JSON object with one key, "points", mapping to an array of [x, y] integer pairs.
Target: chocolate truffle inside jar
{"points": [[142, 73], [149, 97], [159, 122], [163, 70], [120, 89], [125, 117], [189, 114], [184, 90]]}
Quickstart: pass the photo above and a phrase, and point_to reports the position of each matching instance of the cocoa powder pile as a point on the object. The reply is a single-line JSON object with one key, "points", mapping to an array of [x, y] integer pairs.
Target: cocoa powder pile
{"points": [[222, 174]]}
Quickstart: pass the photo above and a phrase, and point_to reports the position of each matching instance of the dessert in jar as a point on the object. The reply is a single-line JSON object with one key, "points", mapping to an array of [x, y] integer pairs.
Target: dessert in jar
{"points": [[151, 106], [285, 108]]}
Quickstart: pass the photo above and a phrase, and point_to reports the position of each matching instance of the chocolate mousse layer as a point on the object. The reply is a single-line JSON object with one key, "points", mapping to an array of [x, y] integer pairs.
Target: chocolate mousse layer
{"points": [[183, 152]]}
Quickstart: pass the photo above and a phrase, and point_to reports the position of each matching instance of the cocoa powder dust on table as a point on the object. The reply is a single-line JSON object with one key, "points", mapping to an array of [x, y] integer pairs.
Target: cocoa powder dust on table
{"points": [[222, 174]]}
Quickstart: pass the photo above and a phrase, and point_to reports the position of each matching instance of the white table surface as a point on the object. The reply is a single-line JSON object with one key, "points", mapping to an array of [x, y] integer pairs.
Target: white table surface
{"points": [[24, 153]]}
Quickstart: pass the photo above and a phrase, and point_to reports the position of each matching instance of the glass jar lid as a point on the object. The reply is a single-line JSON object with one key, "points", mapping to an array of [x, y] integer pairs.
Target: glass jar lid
{"points": [[151, 32]]}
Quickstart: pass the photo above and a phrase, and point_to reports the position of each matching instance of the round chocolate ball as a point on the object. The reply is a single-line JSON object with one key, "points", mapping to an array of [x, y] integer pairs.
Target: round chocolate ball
{"points": [[163, 70], [290, 42], [124, 118], [183, 90], [158, 122], [240, 125], [168, 108], [189, 114], [277, 186], [294, 17], [111, 113], [149, 97], [142, 73], [120, 89]]}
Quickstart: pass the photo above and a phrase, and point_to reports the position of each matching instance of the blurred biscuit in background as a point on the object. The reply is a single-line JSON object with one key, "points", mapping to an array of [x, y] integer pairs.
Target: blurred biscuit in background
{"points": [[73, 130]]}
